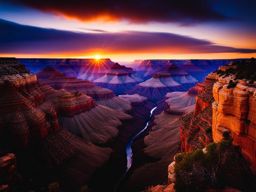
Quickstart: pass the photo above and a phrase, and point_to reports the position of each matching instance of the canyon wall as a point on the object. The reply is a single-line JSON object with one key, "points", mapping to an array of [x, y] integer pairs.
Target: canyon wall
{"points": [[234, 113], [218, 139], [222, 109], [56, 135], [195, 131]]}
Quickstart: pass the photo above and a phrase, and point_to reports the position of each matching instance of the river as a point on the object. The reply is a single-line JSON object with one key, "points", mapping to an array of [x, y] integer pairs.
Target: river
{"points": [[129, 152]]}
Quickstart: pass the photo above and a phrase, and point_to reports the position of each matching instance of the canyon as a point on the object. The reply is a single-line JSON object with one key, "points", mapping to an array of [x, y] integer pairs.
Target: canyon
{"points": [[82, 124]]}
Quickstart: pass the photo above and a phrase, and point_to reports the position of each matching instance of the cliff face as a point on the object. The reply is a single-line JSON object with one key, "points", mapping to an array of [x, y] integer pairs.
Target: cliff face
{"points": [[217, 167], [224, 113], [234, 112], [195, 131], [225, 105]]}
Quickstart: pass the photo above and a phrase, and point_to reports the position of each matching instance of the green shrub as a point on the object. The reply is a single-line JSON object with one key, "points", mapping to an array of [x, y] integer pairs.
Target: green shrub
{"points": [[231, 84], [221, 166], [179, 157], [242, 69]]}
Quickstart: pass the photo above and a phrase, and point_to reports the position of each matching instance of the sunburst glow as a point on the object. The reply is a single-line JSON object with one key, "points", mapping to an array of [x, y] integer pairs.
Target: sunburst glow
{"points": [[97, 57]]}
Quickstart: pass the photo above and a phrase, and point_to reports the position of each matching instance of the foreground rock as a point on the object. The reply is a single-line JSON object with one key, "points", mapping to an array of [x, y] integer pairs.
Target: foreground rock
{"points": [[223, 113], [234, 106], [218, 167]]}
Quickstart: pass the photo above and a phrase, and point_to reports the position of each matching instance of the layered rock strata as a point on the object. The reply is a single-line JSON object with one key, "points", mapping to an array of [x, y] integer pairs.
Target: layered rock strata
{"points": [[103, 96], [32, 125], [234, 114], [196, 129]]}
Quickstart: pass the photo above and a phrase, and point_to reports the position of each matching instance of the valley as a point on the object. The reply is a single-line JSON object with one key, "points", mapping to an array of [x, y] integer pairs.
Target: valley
{"points": [[102, 126]]}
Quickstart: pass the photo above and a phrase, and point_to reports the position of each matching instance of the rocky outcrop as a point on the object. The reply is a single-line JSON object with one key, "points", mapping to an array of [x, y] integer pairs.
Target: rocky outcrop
{"points": [[147, 68], [196, 131], [21, 116], [103, 72], [119, 82], [102, 96], [224, 113], [156, 87], [234, 114], [79, 114], [197, 68], [218, 166]]}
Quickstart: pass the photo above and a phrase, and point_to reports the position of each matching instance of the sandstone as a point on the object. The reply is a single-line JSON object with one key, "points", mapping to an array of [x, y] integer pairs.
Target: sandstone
{"points": [[252, 109], [51, 76], [234, 113], [21, 116], [195, 131], [157, 87], [157, 188], [169, 188], [70, 104], [171, 173]]}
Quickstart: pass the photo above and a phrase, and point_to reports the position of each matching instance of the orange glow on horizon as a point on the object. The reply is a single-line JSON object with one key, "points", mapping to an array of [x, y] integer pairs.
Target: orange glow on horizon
{"points": [[97, 57], [130, 57]]}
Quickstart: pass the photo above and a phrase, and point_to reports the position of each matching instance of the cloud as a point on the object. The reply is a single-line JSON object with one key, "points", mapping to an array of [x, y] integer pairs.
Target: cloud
{"points": [[22, 39], [184, 11]]}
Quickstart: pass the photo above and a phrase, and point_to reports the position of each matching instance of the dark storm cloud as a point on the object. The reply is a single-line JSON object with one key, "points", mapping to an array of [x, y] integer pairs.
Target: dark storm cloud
{"points": [[16, 38], [185, 11]]}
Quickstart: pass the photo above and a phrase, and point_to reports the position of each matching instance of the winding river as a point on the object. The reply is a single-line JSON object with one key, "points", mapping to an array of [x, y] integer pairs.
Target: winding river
{"points": [[129, 152]]}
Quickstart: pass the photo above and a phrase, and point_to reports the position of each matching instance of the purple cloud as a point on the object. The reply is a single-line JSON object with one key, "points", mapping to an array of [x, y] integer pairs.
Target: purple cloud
{"points": [[16, 38]]}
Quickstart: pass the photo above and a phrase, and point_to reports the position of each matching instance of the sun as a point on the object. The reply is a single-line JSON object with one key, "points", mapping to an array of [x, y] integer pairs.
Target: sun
{"points": [[97, 57]]}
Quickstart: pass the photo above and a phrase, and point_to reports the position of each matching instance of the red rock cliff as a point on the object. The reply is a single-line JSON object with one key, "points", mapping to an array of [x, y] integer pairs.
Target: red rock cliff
{"points": [[196, 129], [234, 111]]}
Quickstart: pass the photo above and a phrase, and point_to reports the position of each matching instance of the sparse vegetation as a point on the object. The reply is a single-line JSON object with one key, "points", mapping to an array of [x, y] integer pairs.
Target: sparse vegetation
{"points": [[242, 69], [221, 166], [231, 84]]}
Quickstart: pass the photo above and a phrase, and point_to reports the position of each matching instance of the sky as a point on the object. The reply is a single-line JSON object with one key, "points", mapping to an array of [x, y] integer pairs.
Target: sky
{"points": [[129, 29]]}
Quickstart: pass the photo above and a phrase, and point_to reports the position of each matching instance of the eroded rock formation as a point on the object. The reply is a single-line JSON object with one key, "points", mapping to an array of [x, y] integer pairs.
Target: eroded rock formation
{"points": [[53, 132], [234, 108], [119, 79], [196, 131], [224, 113], [103, 96]]}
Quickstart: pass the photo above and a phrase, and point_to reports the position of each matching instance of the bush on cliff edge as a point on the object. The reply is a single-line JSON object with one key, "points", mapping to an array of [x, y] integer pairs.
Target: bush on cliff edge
{"points": [[221, 166]]}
